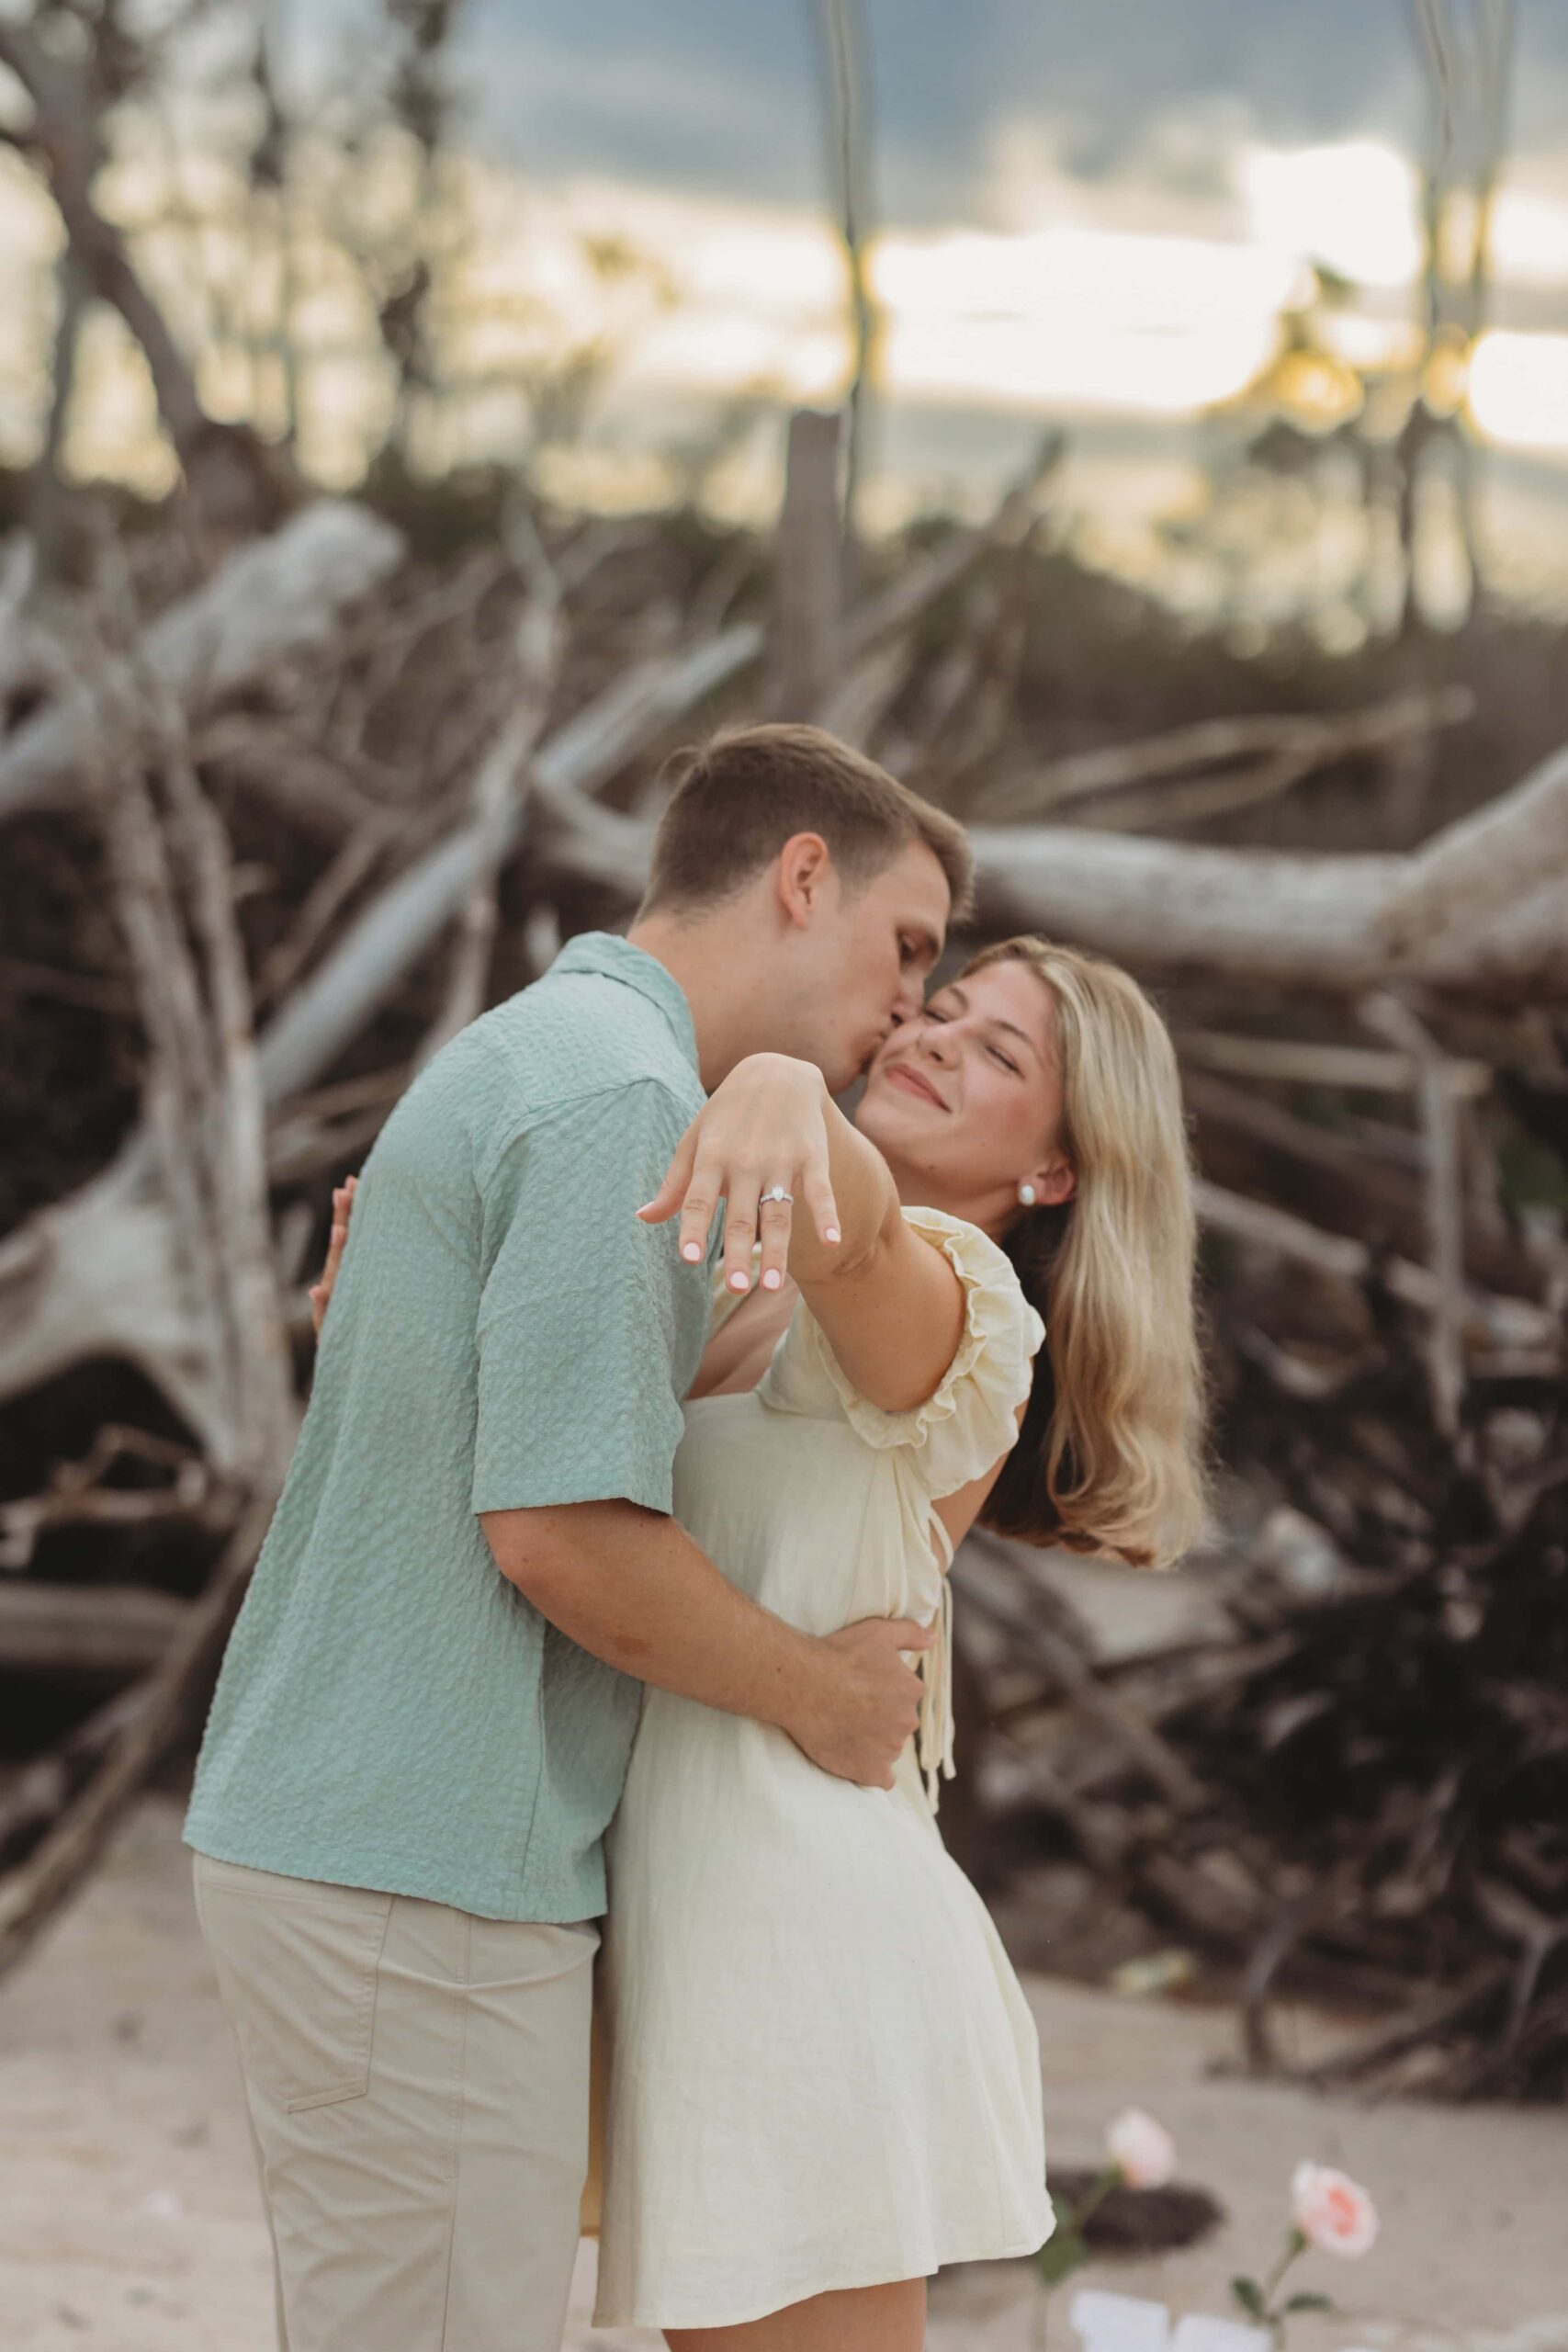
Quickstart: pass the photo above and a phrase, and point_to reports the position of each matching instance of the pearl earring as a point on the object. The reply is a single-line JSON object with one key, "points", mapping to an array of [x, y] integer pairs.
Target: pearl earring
{"points": [[1026, 1193]]}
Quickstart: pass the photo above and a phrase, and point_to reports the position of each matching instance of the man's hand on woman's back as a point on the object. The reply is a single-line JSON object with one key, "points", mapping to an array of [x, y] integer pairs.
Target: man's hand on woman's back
{"points": [[856, 1712]]}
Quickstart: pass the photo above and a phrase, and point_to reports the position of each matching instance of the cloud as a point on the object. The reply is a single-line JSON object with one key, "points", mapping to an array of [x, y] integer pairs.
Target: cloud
{"points": [[653, 105], [1175, 175], [979, 110]]}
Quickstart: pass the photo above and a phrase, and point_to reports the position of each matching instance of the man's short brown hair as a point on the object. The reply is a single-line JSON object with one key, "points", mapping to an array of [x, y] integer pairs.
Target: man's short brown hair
{"points": [[739, 796]]}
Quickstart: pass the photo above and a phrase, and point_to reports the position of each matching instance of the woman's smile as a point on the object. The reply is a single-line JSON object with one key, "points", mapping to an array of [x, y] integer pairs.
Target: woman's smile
{"points": [[905, 1074]]}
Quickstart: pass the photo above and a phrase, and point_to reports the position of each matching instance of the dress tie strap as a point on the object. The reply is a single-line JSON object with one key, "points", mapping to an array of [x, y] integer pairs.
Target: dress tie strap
{"points": [[934, 1740]]}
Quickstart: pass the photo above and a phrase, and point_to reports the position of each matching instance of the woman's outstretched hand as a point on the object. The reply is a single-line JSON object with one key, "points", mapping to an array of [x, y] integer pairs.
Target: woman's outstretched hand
{"points": [[763, 1130], [343, 1208]]}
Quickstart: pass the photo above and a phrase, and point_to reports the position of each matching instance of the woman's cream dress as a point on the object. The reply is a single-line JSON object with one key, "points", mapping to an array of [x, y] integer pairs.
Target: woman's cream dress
{"points": [[822, 2071]]}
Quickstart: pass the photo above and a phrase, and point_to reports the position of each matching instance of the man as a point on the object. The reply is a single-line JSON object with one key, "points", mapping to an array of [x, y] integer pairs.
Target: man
{"points": [[423, 1720]]}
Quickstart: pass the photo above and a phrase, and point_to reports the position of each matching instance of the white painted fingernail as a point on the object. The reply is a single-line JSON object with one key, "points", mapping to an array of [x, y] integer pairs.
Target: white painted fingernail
{"points": [[740, 1282], [833, 1233], [691, 1252], [772, 1278]]}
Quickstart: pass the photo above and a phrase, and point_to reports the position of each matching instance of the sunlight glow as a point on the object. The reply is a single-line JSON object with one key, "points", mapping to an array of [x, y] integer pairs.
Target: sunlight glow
{"points": [[1518, 390], [1062, 318], [1107, 364], [719, 300], [1529, 238], [1352, 205]]}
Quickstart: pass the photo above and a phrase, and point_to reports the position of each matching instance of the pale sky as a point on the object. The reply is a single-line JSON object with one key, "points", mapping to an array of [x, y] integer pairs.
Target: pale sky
{"points": [[1140, 93], [1090, 215]]}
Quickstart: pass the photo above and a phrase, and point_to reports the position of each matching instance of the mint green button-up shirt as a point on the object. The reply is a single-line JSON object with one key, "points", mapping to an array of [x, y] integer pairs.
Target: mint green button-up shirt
{"points": [[392, 1712]]}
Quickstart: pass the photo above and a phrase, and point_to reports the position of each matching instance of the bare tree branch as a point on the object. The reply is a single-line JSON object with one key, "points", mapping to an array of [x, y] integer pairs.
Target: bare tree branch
{"points": [[804, 649], [266, 603], [66, 140], [502, 781]]}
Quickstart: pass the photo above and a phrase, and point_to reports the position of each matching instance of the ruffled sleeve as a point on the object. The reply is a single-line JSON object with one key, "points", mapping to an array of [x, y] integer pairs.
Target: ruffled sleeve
{"points": [[971, 1418]]}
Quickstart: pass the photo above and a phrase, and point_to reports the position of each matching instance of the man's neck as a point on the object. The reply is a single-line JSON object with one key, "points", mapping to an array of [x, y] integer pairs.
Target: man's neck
{"points": [[727, 996]]}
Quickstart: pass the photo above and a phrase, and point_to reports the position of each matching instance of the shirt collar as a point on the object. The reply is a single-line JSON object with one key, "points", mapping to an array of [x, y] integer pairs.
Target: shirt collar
{"points": [[614, 959]]}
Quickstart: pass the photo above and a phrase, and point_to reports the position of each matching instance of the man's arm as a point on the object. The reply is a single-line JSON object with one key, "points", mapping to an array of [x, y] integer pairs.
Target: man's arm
{"points": [[629, 1585]]}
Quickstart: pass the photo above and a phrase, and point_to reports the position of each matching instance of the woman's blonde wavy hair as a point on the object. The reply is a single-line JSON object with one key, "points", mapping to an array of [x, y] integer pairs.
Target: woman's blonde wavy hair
{"points": [[1109, 1455]]}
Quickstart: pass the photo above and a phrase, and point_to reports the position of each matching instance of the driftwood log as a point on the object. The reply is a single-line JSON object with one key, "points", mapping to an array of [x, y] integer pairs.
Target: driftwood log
{"points": [[273, 601], [465, 762]]}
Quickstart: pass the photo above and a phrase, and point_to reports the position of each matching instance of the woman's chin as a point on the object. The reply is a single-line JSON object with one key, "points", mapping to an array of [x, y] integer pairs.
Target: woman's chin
{"points": [[867, 1114], [887, 1115]]}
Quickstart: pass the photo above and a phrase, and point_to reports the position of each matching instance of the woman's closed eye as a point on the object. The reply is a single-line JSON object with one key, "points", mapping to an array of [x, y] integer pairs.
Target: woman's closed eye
{"points": [[934, 1013]]}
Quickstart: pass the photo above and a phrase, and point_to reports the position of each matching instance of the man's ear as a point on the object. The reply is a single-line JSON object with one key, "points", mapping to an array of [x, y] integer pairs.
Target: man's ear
{"points": [[804, 864]]}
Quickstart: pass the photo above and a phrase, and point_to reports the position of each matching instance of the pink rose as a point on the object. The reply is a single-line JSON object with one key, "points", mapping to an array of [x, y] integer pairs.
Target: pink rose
{"points": [[1142, 2150], [1333, 2213]]}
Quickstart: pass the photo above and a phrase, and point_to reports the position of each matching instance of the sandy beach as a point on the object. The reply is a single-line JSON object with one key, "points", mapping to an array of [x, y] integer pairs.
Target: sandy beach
{"points": [[128, 2217]]}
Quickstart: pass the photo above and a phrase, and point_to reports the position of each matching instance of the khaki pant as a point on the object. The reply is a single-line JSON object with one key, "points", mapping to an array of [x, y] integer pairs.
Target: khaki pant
{"points": [[417, 2081]]}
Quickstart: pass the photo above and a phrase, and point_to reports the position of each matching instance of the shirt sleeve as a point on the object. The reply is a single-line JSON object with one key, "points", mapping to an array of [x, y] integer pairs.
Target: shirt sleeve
{"points": [[584, 1324]]}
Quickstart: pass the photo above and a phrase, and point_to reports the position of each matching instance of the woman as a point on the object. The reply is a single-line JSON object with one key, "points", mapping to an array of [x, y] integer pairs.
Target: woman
{"points": [[824, 2081]]}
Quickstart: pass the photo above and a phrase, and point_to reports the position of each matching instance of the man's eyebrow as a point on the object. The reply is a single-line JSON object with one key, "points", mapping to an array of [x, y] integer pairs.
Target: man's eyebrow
{"points": [[951, 988]]}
